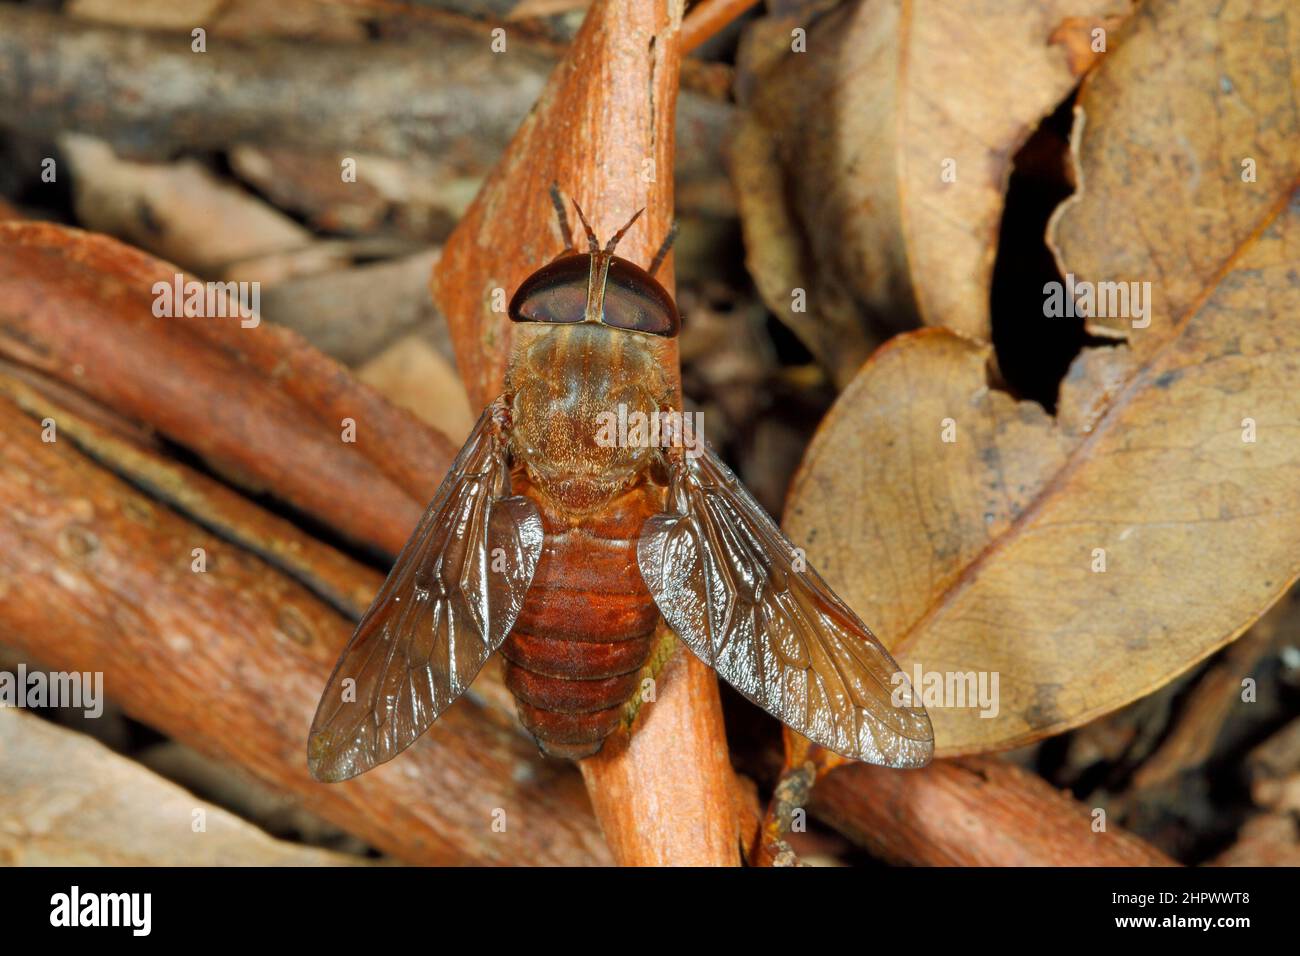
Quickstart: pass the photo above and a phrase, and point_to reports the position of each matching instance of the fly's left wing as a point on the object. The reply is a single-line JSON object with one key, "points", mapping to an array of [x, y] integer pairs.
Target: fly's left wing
{"points": [[448, 603], [729, 582]]}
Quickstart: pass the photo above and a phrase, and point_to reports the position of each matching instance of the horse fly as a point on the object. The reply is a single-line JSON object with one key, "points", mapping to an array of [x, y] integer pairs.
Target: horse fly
{"points": [[559, 540]]}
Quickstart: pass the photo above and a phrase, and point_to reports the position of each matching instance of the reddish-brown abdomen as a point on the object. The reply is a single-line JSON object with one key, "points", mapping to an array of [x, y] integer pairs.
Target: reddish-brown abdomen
{"points": [[586, 627]]}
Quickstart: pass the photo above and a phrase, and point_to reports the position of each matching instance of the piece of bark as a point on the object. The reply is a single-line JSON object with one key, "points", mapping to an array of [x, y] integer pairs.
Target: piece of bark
{"points": [[301, 19], [147, 14], [257, 404], [708, 18], [1201, 714], [664, 791], [1028, 821], [353, 314], [419, 197], [227, 785], [605, 119], [1273, 769], [67, 800], [184, 213], [546, 23], [975, 811], [1270, 839], [411, 374], [95, 576], [150, 91], [1120, 740], [150, 96], [344, 583]]}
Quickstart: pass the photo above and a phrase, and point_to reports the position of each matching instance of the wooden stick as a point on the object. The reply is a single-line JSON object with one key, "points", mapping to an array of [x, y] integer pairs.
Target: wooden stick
{"points": [[708, 18], [150, 96], [603, 130], [976, 811], [343, 583], [675, 756], [230, 660], [257, 403]]}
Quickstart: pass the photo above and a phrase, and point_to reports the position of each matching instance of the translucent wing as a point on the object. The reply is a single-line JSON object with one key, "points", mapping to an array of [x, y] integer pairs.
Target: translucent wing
{"points": [[448, 603], [728, 581]]}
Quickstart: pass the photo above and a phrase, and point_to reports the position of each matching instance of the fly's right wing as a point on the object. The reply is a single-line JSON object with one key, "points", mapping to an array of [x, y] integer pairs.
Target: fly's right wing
{"points": [[448, 603], [726, 579]]}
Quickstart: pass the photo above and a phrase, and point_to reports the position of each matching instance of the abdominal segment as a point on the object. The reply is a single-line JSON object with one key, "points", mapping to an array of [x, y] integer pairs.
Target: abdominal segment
{"points": [[573, 658]]}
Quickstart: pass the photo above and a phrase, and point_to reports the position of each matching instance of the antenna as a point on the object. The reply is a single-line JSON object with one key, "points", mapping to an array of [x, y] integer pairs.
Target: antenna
{"points": [[592, 242]]}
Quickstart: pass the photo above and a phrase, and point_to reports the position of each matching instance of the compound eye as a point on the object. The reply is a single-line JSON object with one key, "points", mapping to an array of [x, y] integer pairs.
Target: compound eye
{"points": [[636, 302], [557, 292]]}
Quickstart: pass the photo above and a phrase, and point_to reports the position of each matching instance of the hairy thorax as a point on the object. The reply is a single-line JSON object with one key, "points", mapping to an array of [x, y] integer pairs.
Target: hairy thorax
{"points": [[564, 381]]}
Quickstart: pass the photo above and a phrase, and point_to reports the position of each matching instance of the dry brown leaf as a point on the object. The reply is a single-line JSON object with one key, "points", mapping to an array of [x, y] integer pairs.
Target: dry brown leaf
{"points": [[978, 555], [1080, 36], [67, 800], [871, 169], [1163, 135]]}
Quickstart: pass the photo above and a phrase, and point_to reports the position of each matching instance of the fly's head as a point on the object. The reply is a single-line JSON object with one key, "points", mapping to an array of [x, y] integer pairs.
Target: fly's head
{"points": [[586, 376]]}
